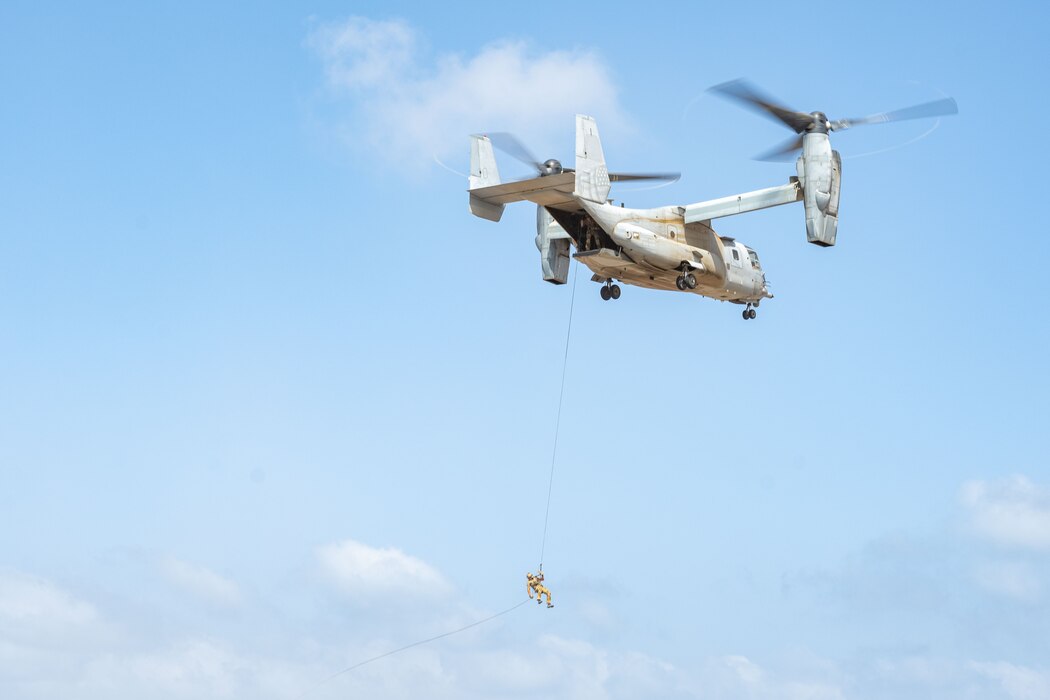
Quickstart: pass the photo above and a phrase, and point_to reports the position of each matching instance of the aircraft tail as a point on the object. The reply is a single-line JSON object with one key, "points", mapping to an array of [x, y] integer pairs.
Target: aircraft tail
{"points": [[483, 170], [592, 177]]}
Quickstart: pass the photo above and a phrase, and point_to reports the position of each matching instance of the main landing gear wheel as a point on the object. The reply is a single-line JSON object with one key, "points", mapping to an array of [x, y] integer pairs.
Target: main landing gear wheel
{"points": [[686, 281], [610, 291], [606, 294], [615, 291]]}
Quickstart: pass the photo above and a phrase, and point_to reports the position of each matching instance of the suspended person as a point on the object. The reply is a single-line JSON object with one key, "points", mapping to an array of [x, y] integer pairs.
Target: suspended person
{"points": [[535, 583]]}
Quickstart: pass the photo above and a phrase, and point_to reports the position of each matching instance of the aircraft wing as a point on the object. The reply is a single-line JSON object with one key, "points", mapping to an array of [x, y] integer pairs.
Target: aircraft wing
{"points": [[550, 191]]}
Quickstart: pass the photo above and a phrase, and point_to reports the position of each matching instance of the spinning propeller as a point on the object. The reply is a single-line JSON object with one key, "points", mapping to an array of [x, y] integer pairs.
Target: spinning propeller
{"points": [[817, 122], [513, 147]]}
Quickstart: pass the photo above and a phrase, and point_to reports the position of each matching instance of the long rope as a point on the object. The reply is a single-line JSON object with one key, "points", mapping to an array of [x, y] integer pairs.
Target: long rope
{"points": [[546, 518], [421, 642], [557, 422]]}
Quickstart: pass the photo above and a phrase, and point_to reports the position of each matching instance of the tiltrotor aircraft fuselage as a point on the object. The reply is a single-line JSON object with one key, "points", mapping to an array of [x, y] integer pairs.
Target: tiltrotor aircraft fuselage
{"points": [[672, 247]]}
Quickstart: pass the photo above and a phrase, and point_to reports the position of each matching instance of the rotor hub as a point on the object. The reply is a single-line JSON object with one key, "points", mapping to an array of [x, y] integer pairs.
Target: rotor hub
{"points": [[820, 123]]}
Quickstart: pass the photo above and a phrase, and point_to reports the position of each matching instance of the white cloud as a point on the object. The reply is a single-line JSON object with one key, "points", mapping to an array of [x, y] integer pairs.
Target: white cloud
{"points": [[30, 600], [917, 671], [45, 632], [201, 581], [191, 669], [554, 666], [927, 676], [1019, 682], [1013, 512], [499, 659], [361, 53], [410, 108], [1017, 580], [362, 570], [487, 664], [195, 666], [749, 673], [737, 676]]}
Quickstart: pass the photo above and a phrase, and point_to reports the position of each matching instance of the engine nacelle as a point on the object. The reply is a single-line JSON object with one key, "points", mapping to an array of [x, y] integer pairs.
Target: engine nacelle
{"points": [[553, 243], [820, 174]]}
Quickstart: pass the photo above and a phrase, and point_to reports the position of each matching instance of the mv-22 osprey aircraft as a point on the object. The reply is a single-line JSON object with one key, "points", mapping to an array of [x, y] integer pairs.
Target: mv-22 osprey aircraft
{"points": [[670, 247]]}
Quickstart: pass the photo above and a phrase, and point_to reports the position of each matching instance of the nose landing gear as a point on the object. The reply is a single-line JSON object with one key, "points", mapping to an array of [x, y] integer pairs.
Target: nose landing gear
{"points": [[610, 291], [749, 312]]}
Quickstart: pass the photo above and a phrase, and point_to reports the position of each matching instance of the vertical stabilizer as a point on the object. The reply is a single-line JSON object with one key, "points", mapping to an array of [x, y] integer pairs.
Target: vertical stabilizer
{"points": [[592, 177], [483, 173]]}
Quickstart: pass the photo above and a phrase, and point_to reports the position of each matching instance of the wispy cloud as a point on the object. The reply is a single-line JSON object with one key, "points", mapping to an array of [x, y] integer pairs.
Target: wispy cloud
{"points": [[737, 676], [361, 53], [1019, 682], [40, 620], [409, 106], [481, 665], [1016, 580], [1012, 512], [201, 582], [31, 600], [362, 570]]}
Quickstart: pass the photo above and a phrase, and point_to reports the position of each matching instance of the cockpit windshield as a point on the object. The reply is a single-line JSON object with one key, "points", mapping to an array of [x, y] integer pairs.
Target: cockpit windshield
{"points": [[754, 259]]}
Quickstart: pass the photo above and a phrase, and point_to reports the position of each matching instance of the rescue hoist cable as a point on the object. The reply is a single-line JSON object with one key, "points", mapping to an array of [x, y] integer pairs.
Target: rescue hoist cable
{"points": [[546, 518], [421, 642], [557, 421]]}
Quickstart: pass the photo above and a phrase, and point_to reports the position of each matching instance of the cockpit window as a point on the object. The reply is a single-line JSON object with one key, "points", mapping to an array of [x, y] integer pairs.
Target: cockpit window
{"points": [[754, 259], [736, 255]]}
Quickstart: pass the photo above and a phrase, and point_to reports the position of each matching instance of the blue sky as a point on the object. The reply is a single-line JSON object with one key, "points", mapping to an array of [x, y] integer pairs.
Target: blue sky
{"points": [[274, 402]]}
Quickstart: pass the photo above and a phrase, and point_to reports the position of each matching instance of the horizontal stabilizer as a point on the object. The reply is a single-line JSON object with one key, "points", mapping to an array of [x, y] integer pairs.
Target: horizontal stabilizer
{"points": [[549, 190]]}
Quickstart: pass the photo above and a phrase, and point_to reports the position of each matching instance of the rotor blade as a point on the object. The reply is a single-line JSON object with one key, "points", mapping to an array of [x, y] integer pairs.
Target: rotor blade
{"points": [[744, 92], [509, 144], [937, 108], [628, 177], [783, 152]]}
